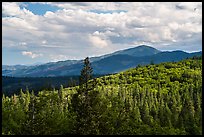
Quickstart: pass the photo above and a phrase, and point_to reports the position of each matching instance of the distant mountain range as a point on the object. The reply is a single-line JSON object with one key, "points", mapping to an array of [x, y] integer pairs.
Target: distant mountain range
{"points": [[106, 64]]}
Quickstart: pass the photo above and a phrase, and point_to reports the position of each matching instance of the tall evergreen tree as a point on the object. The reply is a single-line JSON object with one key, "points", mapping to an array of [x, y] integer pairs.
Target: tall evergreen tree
{"points": [[86, 75], [82, 100]]}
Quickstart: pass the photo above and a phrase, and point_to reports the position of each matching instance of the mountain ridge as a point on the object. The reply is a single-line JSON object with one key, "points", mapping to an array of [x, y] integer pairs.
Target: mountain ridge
{"points": [[106, 64]]}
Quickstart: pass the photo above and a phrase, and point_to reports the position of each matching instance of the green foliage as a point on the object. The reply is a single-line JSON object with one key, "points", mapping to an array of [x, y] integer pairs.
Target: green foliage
{"points": [[164, 99]]}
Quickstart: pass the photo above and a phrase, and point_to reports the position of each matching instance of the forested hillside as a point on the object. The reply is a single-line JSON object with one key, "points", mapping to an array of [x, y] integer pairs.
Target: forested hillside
{"points": [[150, 100]]}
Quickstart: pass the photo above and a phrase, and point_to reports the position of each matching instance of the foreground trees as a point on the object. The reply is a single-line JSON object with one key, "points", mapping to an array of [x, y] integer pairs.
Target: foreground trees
{"points": [[83, 101], [155, 99]]}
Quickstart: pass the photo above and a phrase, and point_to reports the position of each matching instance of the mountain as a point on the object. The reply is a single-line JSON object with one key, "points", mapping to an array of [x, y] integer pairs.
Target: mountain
{"points": [[13, 67], [117, 63], [106, 64], [139, 51], [7, 69]]}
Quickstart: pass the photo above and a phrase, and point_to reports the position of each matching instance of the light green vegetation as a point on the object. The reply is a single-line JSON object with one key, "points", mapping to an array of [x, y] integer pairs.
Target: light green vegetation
{"points": [[149, 100]]}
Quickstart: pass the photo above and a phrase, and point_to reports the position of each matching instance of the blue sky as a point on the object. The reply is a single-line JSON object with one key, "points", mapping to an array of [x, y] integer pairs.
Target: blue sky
{"points": [[39, 9], [35, 32]]}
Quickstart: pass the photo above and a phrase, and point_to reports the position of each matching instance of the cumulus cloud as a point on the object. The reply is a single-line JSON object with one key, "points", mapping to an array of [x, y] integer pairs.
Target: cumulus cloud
{"points": [[98, 42], [81, 29], [13, 9], [30, 54], [10, 9]]}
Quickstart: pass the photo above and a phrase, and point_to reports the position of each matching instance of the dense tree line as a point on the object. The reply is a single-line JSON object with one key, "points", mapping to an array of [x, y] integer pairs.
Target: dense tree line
{"points": [[11, 85], [155, 99]]}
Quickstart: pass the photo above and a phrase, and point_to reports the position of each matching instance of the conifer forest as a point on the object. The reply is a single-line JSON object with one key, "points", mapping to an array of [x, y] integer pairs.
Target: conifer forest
{"points": [[155, 99]]}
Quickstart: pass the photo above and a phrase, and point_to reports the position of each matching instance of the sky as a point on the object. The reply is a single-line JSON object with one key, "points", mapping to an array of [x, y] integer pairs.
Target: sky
{"points": [[40, 32]]}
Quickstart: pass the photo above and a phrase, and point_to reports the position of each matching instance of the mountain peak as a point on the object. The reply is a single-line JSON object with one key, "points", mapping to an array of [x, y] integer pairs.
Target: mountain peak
{"points": [[145, 47], [139, 51]]}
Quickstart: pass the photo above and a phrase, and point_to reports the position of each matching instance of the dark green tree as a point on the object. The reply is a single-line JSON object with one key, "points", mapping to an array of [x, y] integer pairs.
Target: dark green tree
{"points": [[82, 101], [86, 75]]}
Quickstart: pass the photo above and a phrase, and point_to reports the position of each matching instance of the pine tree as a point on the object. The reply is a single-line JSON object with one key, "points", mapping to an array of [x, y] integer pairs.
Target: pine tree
{"points": [[198, 109], [31, 122], [61, 93], [161, 112], [167, 115], [86, 75], [82, 100], [175, 111], [145, 113]]}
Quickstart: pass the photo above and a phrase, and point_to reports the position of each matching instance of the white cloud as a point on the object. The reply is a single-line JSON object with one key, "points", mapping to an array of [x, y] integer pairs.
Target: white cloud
{"points": [[44, 41], [55, 58], [23, 43], [81, 29], [13, 9], [10, 8], [98, 42], [30, 54]]}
